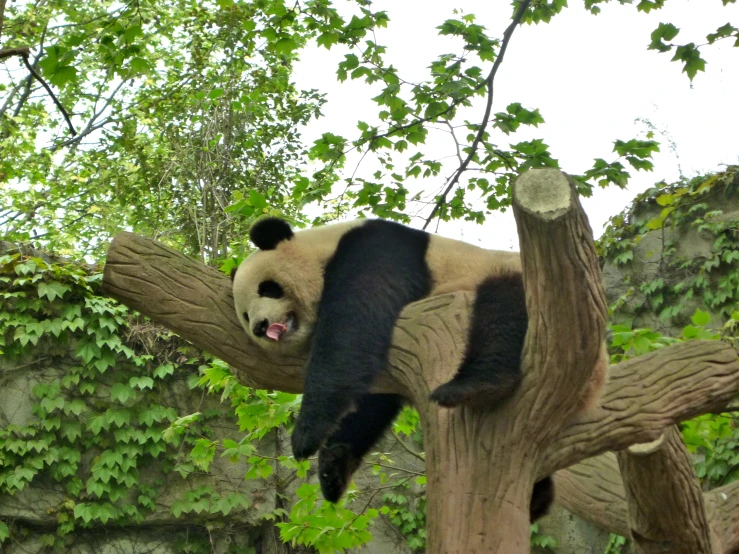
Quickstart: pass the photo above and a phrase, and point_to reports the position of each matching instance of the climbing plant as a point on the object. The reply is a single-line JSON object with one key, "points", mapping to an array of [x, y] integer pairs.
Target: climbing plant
{"points": [[97, 419], [688, 210], [105, 441], [705, 208]]}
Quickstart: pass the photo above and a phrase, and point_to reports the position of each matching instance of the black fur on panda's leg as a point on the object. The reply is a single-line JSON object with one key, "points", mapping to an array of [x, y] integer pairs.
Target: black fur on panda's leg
{"points": [[342, 453], [542, 498], [377, 269], [491, 369]]}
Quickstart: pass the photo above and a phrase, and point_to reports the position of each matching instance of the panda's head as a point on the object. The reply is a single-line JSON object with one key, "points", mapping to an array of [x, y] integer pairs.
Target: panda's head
{"points": [[277, 288]]}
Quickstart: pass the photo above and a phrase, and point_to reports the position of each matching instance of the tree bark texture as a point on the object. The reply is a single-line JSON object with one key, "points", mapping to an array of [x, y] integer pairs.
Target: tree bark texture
{"points": [[666, 510], [645, 395], [481, 463], [594, 490]]}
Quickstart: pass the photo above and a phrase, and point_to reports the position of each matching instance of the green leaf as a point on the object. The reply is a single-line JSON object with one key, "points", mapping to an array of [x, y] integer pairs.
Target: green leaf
{"points": [[122, 392], [701, 318], [664, 199], [71, 431], [52, 290], [87, 350], [141, 382], [327, 39], [285, 46], [4, 531], [63, 75], [75, 406], [647, 6], [665, 31], [257, 199], [163, 370], [692, 61], [722, 32], [203, 453], [139, 66]]}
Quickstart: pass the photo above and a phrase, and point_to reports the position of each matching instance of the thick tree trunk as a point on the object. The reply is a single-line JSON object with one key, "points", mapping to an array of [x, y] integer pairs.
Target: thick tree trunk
{"points": [[481, 463]]}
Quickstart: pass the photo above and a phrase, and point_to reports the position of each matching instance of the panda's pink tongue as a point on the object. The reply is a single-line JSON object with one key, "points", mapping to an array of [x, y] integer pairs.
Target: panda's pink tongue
{"points": [[275, 331]]}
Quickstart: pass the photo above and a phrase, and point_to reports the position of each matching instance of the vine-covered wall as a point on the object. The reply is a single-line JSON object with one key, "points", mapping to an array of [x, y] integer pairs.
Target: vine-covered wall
{"points": [[675, 249], [94, 455]]}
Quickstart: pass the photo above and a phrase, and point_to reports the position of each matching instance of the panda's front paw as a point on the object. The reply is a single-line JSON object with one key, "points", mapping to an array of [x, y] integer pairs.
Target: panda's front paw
{"points": [[308, 436]]}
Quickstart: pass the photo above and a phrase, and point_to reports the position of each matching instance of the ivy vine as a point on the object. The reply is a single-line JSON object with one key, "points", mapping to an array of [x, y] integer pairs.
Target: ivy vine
{"points": [[691, 209]]}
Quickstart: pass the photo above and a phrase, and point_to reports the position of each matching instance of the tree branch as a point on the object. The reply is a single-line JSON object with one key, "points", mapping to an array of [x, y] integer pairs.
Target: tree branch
{"points": [[666, 508], [51, 93], [17, 51], [91, 127], [488, 109], [594, 490], [2, 16], [645, 395]]}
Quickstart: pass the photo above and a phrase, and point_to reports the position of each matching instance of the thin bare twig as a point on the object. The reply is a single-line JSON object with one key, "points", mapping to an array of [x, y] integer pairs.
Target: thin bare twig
{"points": [[27, 81], [488, 108], [407, 449], [90, 127], [51, 93], [456, 141], [395, 468]]}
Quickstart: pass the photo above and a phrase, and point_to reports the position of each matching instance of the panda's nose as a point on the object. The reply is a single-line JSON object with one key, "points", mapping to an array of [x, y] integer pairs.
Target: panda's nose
{"points": [[260, 329]]}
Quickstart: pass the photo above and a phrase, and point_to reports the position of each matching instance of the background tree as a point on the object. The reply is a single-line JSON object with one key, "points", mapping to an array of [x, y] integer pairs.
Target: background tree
{"points": [[180, 111]]}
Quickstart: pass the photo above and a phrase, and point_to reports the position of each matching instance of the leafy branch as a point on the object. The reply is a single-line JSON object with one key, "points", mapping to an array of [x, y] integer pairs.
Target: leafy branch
{"points": [[46, 86], [486, 117], [24, 52]]}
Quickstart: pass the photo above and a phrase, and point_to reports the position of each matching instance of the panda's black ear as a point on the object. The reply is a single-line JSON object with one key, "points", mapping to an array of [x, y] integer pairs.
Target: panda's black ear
{"points": [[268, 232], [233, 273]]}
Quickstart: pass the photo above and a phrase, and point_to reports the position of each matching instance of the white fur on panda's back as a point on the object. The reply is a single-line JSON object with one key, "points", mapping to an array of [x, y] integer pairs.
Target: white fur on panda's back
{"points": [[454, 265], [460, 266], [319, 243]]}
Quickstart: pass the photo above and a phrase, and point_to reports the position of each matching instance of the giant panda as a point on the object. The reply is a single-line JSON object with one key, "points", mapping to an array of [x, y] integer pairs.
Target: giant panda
{"points": [[335, 293]]}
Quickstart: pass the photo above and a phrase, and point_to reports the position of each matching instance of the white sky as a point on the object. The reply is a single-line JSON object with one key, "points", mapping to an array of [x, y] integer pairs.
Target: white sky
{"points": [[590, 76]]}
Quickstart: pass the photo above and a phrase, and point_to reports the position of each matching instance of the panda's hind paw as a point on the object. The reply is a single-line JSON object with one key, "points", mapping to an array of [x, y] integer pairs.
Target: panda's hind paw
{"points": [[449, 395], [472, 392], [542, 498]]}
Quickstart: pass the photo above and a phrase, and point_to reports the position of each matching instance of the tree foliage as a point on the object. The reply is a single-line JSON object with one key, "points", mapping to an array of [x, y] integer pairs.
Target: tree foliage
{"points": [[181, 109], [188, 125]]}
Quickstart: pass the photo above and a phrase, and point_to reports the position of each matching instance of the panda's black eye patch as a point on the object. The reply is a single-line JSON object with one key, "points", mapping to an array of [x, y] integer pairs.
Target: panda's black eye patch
{"points": [[270, 289]]}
